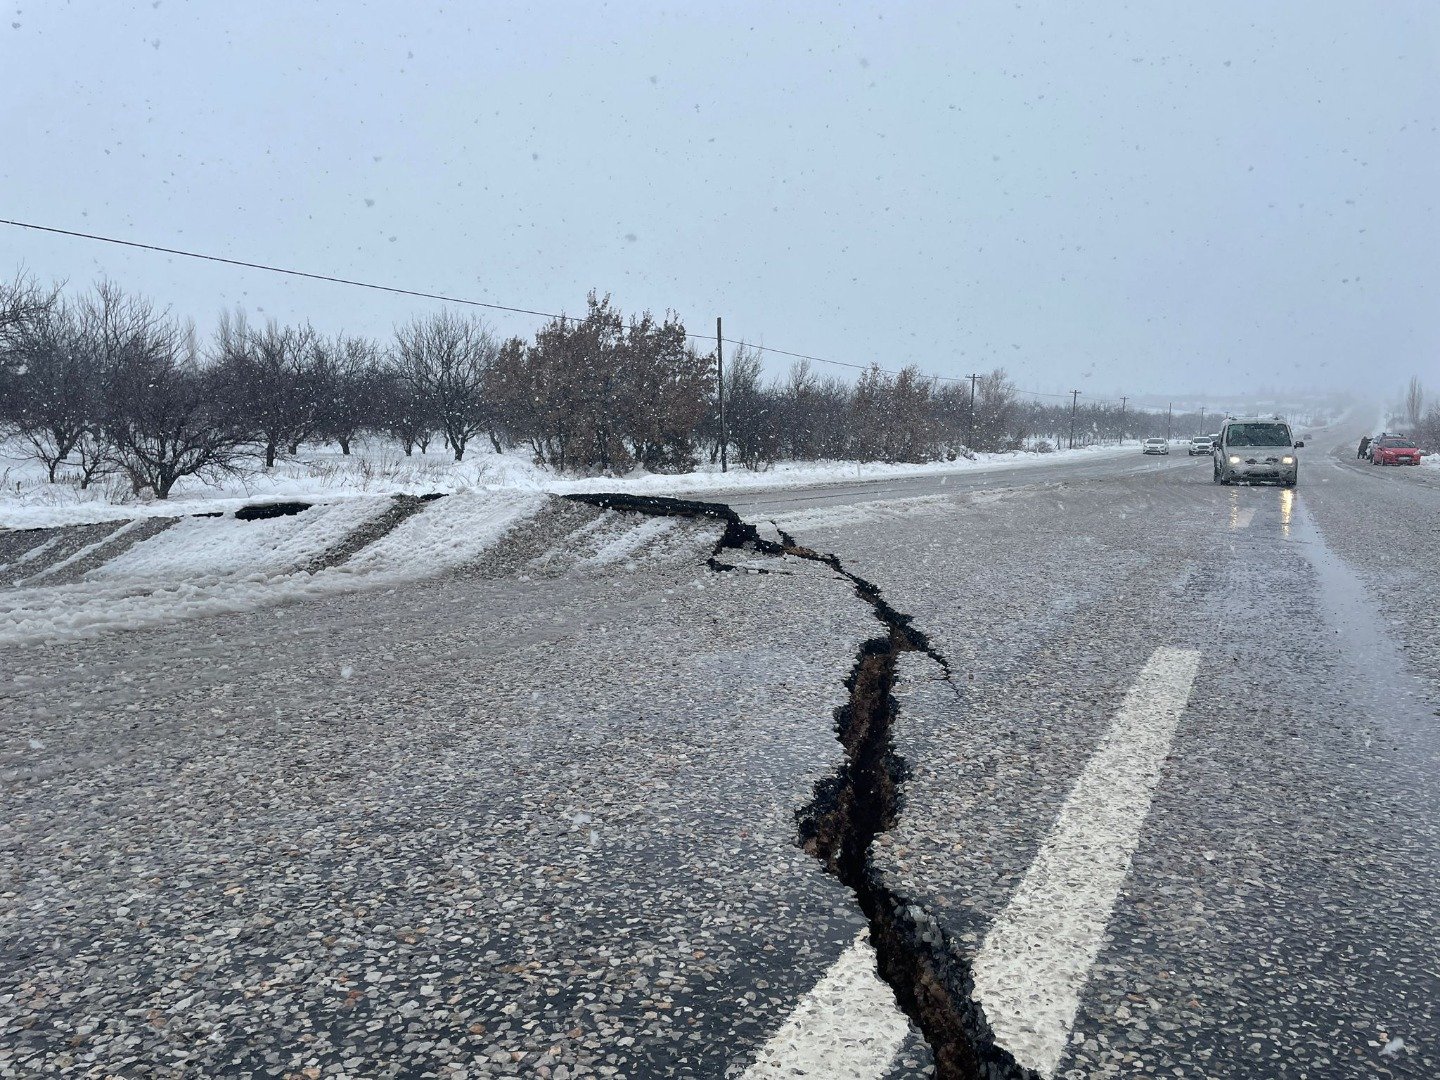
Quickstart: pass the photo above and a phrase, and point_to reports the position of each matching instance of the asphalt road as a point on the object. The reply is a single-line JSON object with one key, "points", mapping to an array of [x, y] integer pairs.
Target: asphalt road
{"points": [[761, 504], [1174, 808], [1277, 911], [520, 820]]}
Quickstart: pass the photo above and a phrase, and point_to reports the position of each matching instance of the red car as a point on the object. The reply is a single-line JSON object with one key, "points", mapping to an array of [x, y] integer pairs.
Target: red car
{"points": [[1394, 451]]}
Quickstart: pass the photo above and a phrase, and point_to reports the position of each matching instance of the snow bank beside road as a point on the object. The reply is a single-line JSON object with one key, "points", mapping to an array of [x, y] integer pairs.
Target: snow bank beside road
{"points": [[787, 474], [200, 549], [27, 501], [448, 533], [222, 578]]}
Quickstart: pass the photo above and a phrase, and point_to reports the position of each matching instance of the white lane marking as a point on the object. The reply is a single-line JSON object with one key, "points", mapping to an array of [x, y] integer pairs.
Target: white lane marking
{"points": [[1241, 518], [847, 1028], [1034, 961]]}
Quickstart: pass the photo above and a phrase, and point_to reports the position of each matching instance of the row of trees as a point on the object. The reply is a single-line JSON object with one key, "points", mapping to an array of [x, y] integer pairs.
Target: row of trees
{"points": [[1423, 423], [106, 383]]}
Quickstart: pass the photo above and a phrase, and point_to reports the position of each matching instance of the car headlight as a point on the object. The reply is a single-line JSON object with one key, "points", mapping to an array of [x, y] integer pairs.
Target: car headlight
{"points": [[1234, 460], [1287, 461]]}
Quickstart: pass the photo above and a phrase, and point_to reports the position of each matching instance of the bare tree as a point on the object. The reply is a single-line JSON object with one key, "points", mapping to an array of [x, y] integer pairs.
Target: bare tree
{"points": [[402, 410], [752, 410], [22, 303], [814, 415], [443, 360], [165, 416], [346, 376], [513, 398], [1414, 402], [869, 414], [269, 380], [22, 300], [1427, 433], [71, 356], [57, 390], [995, 413]]}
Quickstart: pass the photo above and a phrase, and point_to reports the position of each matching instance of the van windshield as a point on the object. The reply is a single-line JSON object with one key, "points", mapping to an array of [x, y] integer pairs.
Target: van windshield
{"points": [[1257, 435]]}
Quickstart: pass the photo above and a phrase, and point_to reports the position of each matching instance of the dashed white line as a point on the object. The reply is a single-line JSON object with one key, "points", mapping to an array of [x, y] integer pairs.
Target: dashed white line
{"points": [[1037, 955], [1241, 518], [847, 1028]]}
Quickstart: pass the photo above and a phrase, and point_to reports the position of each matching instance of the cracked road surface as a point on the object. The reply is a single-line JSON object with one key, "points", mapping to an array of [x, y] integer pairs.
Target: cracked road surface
{"points": [[1277, 910], [477, 826], [1173, 812]]}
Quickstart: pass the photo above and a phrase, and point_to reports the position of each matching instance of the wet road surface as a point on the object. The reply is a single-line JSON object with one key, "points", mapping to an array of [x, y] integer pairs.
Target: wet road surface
{"points": [[1174, 809], [1278, 904]]}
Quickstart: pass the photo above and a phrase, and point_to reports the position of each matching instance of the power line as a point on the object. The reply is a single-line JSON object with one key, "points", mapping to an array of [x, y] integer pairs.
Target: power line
{"points": [[421, 294], [275, 269]]}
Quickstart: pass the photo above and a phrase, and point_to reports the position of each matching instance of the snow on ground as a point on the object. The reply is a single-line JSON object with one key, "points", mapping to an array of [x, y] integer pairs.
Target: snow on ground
{"points": [[217, 571], [786, 474], [215, 564], [201, 549], [625, 545], [378, 468], [448, 533]]}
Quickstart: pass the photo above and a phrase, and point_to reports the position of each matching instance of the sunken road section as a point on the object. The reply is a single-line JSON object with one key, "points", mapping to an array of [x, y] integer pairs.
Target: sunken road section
{"points": [[847, 810], [401, 508], [863, 799], [34, 551], [63, 555]]}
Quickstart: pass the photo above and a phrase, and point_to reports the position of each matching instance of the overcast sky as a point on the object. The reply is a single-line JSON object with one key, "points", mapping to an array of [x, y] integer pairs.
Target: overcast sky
{"points": [[1144, 198]]}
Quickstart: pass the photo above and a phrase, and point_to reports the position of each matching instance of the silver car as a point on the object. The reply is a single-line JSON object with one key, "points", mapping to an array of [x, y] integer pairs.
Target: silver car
{"points": [[1155, 446], [1254, 449]]}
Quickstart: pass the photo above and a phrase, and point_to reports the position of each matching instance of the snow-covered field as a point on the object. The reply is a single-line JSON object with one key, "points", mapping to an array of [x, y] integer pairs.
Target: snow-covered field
{"points": [[27, 500]]}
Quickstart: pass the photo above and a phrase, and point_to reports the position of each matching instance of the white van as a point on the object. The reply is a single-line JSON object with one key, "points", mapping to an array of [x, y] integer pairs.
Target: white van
{"points": [[1254, 448]]}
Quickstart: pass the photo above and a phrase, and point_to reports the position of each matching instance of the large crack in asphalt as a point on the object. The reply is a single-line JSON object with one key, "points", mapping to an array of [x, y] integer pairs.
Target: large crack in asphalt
{"points": [[931, 981]]}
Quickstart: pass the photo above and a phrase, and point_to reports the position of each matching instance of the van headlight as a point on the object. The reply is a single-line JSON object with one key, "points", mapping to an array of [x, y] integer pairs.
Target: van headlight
{"points": [[1287, 461], [1234, 460]]}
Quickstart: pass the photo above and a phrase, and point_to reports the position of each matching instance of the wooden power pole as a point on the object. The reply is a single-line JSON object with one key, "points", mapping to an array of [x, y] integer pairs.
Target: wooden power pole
{"points": [[970, 438], [720, 380], [1074, 401]]}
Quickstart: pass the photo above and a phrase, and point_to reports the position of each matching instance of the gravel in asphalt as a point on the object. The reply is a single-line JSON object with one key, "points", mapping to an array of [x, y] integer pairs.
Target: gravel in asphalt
{"points": [[537, 817], [474, 826], [1282, 915]]}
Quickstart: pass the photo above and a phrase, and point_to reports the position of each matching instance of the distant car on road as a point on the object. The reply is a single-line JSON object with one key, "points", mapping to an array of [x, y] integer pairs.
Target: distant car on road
{"points": [[1394, 450], [1201, 444], [1155, 446], [1255, 448]]}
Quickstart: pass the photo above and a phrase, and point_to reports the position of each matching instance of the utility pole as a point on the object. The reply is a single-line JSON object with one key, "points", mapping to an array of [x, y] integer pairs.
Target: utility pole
{"points": [[1074, 399], [1123, 400], [720, 381], [1202, 418], [970, 439]]}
